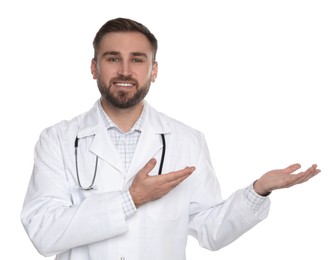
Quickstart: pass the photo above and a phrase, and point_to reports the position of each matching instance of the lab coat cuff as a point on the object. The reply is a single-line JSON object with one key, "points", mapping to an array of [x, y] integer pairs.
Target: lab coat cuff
{"points": [[253, 199], [128, 204]]}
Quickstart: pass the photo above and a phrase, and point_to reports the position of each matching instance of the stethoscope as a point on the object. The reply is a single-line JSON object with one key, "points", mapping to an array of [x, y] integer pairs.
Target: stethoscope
{"points": [[96, 165]]}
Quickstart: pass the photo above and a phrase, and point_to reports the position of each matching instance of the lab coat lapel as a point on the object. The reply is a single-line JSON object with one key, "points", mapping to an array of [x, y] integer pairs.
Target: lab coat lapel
{"points": [[102, 145], [149, 143], [104, 148]]}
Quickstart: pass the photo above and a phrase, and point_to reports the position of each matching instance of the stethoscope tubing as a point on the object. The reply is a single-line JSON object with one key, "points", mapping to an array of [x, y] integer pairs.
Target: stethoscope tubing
{"points": [[77, 171], [96, 164]]}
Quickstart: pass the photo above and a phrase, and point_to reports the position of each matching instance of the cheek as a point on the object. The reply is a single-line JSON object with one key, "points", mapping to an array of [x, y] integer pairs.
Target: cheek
{"points": [[105, 73], [148, 74]]}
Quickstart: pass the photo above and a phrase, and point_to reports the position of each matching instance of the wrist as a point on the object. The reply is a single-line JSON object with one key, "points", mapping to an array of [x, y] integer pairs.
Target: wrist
{"points": [[134, 197], [260, 190]]}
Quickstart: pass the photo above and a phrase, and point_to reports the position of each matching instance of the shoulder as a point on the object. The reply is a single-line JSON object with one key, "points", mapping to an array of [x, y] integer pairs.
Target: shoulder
{"points": [[63, 126], [69, 128], [176, 127]]}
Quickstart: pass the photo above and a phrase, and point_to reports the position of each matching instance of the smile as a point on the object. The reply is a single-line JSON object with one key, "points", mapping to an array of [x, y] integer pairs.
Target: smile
{"points": [[124, 84]]}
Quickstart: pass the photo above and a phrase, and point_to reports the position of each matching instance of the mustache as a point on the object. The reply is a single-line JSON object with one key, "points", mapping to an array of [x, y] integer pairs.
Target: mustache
{"points": [[124, 78]]}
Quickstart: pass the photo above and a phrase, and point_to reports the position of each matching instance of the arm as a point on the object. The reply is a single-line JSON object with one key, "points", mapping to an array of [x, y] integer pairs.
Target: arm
{"points": [[52, 221], [222, 224]]}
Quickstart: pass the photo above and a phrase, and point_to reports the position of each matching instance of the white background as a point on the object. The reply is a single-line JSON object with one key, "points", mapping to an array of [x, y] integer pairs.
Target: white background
{"points": [[257, 77]]}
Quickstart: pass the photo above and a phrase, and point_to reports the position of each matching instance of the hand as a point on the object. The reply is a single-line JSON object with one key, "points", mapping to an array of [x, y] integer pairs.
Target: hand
{"points": [[147, 188], [284, 178]]}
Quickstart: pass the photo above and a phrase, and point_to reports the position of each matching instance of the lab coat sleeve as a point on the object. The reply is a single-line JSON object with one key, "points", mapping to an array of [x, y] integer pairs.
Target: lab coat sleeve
{"points": [[213, 222], [52, 221]]}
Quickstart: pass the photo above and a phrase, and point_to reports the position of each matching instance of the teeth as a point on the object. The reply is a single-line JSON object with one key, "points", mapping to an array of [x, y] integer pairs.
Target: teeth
{"points": [[124, 84]]}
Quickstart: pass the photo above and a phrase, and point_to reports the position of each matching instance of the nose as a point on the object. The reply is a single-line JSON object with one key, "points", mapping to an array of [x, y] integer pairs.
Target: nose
{"points": [[124, 69]]}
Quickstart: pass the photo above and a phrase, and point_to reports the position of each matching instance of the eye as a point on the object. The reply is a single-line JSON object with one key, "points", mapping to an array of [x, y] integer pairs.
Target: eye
{"points": [[135, 60], [113, 59]]}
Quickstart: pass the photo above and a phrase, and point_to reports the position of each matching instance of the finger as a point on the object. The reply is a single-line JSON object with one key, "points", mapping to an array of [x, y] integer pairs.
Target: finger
{"points": [[172, 176], [149, 166], [292, 168], [177, 181], [304, 176], [310, 172], [172, 184]]}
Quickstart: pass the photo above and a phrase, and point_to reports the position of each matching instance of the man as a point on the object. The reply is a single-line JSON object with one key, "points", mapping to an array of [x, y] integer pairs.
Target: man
{"points": [[97, 191]]}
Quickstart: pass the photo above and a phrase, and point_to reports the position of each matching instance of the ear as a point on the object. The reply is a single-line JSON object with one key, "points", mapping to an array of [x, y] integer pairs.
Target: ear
{"points": [[94, 68], [154, 71]]}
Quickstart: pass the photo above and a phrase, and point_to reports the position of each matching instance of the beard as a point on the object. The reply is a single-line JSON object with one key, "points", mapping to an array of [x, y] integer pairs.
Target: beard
{"points": [[119, 98]]}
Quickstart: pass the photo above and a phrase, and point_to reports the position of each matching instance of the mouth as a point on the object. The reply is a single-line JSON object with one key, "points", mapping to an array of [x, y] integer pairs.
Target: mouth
{"points": [[126, 85]]}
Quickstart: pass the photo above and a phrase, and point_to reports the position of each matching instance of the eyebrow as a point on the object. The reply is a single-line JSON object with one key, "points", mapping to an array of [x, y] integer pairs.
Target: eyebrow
{"points": [[137, 54]]}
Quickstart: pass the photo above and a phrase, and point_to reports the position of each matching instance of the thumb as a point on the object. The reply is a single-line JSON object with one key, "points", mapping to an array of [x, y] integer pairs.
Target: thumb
{"points": [[292, 168], [148, 167]]}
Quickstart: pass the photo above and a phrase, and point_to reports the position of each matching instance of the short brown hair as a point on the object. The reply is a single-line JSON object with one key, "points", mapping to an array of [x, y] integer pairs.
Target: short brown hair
{"points": [[124, 25]]}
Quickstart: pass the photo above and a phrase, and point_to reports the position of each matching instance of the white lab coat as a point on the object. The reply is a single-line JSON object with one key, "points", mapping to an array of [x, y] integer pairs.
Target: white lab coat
{"points": [[90, 225]]}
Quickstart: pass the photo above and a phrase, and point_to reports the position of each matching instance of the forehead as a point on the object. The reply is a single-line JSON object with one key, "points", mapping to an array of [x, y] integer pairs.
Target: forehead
{"points": [[125, 42]]}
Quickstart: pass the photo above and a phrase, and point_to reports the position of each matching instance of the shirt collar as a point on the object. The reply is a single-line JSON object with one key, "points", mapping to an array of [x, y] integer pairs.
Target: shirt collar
{"points": [[138, 126]]}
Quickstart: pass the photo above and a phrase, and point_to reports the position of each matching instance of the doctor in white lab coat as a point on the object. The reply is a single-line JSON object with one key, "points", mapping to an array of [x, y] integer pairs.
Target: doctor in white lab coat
{"points": [[132, 212]]}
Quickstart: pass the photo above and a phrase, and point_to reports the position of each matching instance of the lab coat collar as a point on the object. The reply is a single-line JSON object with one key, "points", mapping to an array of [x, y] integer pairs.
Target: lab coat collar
{"points": [[155, 124], [91, 122]]}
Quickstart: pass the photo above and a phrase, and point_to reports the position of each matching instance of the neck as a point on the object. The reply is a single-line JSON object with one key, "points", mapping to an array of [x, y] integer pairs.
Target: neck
{"points": [[124, 118]]}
